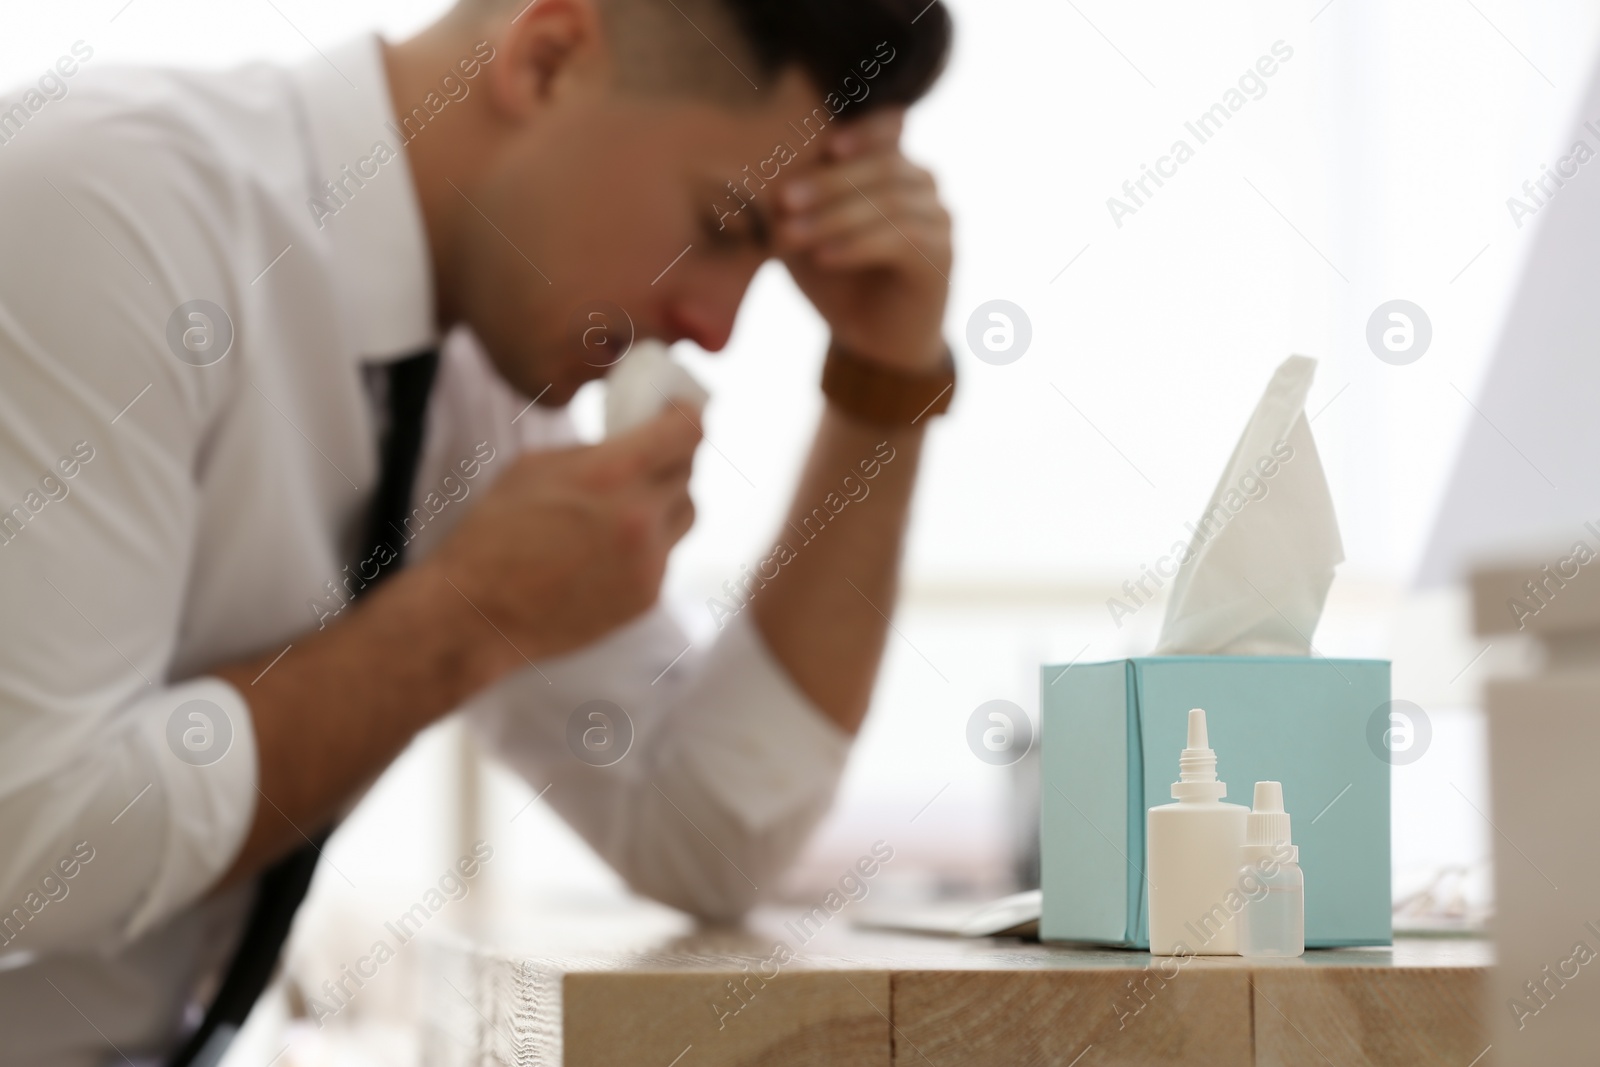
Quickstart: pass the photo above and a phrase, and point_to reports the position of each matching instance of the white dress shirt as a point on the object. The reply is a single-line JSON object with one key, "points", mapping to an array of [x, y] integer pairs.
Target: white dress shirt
{"points": [[159, 518]]}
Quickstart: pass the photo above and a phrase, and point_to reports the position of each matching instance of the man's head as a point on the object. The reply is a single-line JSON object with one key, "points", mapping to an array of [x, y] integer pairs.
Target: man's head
{"points": [[619, 158]]}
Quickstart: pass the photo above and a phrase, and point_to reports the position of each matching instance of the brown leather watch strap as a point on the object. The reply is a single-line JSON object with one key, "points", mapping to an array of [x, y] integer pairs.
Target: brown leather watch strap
{"points": [[874, 393]]}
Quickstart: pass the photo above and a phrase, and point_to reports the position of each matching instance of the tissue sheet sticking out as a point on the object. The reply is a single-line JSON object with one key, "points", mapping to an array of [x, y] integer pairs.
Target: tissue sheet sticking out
{"points": [[1258, 569], [641, 384]]}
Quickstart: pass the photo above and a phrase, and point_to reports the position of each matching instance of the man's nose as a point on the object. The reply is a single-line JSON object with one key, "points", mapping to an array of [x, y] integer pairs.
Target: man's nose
{"points": [[704, 310]]}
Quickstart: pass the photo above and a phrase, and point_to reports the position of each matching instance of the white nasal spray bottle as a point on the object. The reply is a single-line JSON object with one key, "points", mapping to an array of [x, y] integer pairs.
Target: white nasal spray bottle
{"points": [[1193, 857]]}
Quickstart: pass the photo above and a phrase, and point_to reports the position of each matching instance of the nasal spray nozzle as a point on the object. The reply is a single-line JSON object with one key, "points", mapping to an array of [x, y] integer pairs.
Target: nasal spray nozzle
{"points": [[1197, 765]]}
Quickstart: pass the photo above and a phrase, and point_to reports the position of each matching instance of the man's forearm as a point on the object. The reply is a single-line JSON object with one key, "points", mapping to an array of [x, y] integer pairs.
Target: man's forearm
{"points": [[825, 614], [338, 708]]}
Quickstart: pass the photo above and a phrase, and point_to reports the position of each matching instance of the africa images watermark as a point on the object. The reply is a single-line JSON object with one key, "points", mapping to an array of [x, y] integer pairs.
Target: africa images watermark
{"points": [[742, 590], [1540, 993], [52, 888], [600, 732], [1250, 888], [1542, 189], [450, 490], [1544, 587], [1206, 126], [999, 732], [852, 887], [338, 192], [51, 86], [1399, 732], [1252, 487], [453, 885], [784, 153], [51, 490]]}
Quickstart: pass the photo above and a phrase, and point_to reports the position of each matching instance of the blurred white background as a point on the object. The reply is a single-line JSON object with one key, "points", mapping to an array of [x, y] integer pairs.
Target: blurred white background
{"points": [[1376, 166]]}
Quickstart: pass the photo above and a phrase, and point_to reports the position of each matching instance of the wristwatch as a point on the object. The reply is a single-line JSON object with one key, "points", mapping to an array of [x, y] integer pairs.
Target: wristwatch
{"points": [[874, 393]]}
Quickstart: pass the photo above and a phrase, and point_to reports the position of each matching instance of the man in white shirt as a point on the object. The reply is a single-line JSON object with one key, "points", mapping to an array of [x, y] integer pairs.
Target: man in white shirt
{"points": [[210, 284]]}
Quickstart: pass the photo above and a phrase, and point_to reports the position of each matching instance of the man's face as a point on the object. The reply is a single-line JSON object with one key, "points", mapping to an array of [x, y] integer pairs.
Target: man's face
{"points": [[605, 211]]}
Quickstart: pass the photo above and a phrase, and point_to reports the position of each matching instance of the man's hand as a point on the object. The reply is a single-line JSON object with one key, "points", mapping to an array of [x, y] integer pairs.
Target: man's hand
{"points": [[564, 548], [868, 242], [567, 546]]}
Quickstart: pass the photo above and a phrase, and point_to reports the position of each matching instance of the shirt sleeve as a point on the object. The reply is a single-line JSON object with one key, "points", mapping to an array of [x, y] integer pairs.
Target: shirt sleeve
{"points": [[141, 786], [697, 778]]}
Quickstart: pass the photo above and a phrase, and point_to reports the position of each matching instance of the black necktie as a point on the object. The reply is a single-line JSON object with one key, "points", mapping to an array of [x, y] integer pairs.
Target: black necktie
{"points": [[284, 885]]}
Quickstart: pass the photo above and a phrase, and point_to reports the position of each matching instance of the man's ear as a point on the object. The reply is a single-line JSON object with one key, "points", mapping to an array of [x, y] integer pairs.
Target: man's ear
{"points": [[544, 51]]}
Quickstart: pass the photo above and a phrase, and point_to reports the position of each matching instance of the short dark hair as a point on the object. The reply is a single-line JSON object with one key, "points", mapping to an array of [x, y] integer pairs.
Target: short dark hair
{"points": [[831, 40], [727, 49]]}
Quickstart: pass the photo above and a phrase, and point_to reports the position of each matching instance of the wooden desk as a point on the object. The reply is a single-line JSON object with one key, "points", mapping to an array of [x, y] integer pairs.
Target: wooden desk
{"points": [[642, 987]]}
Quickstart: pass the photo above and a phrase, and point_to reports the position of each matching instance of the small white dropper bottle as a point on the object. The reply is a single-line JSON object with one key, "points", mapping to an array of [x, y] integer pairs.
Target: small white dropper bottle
{"points": [[1193, 857], [1273, 920]]}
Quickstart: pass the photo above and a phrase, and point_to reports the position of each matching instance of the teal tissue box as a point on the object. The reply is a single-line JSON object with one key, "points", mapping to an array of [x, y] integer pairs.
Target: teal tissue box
{"points": [[1111, 734]]}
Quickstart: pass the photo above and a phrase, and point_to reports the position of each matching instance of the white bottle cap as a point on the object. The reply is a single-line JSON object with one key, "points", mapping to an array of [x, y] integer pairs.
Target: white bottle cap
{"points": [[1197, 765], [1266, 833]]}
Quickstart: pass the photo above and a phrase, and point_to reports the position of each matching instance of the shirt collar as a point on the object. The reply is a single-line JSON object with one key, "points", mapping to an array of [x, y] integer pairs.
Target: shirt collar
{"points": [[371, 220]]}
